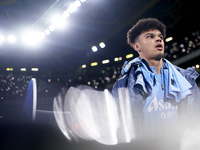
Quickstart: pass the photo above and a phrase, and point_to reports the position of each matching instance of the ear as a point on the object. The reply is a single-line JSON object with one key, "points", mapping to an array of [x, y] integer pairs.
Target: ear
{"points": [[136, 47]]}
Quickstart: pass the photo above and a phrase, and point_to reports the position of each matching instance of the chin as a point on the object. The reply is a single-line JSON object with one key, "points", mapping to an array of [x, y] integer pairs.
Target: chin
{"points": [[158, 57]]}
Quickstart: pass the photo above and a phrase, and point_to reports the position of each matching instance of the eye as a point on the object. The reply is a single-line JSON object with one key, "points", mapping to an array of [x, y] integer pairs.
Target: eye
{"points": [[150, 36], [161, 37]]}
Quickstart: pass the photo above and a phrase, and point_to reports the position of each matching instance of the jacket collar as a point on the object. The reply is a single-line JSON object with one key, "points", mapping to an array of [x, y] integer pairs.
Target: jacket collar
{"points": [[136, 62]]}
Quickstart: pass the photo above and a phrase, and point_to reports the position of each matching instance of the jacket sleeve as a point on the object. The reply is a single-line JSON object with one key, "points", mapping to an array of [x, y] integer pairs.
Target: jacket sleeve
{"points": [[193, 106], [196, 96], [122, 82]]}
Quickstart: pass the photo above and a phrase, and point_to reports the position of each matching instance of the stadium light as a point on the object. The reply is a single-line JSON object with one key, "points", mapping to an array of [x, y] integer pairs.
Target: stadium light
{"points": [[77, 3], [73, 7], [66, 14], [58, 21], [32, 38], [2, 38], [47, 32], [11, 39], [51, 28], [102, 45], [94, 48], [42, 34]]}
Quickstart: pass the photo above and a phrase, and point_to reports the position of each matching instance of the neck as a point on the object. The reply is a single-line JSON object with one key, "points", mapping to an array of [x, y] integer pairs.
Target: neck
{"points": [[157, 64]]}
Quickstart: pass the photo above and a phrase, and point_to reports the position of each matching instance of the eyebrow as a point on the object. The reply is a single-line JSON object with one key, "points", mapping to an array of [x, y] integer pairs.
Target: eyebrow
{"points": [[152, 34]]}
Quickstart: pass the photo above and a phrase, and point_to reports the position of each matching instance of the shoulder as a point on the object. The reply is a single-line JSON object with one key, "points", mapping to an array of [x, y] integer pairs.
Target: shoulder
{"points": [[189, 73], [127, 69], [122, 82]]}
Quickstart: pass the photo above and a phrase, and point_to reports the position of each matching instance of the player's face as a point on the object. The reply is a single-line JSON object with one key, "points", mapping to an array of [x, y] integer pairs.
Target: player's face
{"points": [[150, 45]]}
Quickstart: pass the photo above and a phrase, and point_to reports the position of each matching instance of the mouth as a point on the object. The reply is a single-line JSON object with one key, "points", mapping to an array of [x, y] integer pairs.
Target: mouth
{"points": [[159, 46]]}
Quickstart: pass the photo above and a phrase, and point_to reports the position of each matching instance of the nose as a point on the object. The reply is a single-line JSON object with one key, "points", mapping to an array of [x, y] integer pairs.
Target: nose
{"points": [[158, 39]]}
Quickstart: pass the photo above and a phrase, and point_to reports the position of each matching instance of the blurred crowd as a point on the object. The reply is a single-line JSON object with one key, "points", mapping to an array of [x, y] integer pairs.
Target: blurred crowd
{"points": [[13, 86]]}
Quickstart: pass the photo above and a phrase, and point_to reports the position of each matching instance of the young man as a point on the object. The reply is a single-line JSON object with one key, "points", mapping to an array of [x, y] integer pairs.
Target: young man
{"points": [[161, 95]]}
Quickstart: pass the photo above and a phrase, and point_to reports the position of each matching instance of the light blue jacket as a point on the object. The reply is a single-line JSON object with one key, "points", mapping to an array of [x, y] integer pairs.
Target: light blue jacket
{"points": [[137, 97]]}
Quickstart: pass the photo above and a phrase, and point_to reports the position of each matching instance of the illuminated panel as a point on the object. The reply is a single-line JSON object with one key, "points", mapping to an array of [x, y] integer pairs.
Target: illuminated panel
{"points": [[23, 69], [105, 61], [84, 66], [9, 69], [94, 64], [129, 56], [116, 59], [34, 69], [168, 39]]}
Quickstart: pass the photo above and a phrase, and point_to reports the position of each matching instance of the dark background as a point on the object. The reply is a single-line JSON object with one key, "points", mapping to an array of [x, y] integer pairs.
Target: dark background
{"points": [[63, 52], [95, 21]]}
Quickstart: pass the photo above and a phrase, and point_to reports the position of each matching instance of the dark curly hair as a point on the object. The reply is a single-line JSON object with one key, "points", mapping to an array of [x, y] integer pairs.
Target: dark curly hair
{"points": [[144, 25]]}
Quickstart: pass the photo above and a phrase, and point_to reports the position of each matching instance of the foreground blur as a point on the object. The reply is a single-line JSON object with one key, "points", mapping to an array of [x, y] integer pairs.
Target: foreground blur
{"points": [[84, 113]]}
